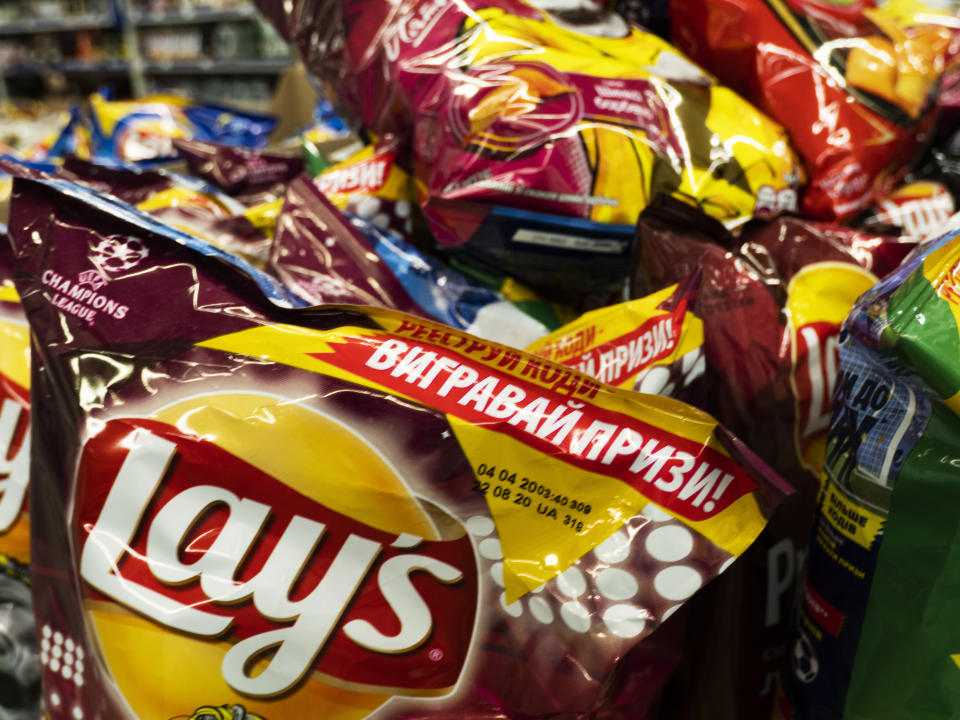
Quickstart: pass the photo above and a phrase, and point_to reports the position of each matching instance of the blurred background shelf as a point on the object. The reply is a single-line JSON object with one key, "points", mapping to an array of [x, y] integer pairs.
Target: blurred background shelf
{"points": [[209, 49], [55, 25], [268, 66], [192, 17]]}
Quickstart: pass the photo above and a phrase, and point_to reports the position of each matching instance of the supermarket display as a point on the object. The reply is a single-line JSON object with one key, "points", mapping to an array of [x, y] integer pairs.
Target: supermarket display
{"points": [[538, 135], [853, 83], [501, 360], [877, 631], [354, 493]]}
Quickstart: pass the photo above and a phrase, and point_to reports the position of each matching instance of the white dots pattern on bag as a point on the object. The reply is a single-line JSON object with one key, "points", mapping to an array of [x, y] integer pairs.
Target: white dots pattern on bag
{"points": [[614, 549], [496, 572], [576, 616], [490, 549], [636, 578], [540, 609], [624, 621], [571, 583], [367, 207], [514, 609], [670, 543], [62, 655], [616, 584], [677, 582], [480, 526]]}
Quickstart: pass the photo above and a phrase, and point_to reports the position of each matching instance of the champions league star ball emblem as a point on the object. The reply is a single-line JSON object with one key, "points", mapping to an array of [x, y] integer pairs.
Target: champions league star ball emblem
{"points": [[805, 663], [117, 253]]}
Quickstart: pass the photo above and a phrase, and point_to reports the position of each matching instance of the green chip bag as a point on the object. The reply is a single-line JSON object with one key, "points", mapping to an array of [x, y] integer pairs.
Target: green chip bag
{"points": [[878, 633]]}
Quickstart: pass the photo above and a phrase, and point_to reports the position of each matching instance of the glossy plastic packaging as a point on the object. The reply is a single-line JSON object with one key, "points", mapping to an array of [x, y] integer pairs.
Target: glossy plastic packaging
{"points": [[918, 209], [854, 83], [771, 301], [539, 131], [143, 130], [324, 256], [252, 176], [876, 635], [372, 185], [341, 512], [652, 344]]}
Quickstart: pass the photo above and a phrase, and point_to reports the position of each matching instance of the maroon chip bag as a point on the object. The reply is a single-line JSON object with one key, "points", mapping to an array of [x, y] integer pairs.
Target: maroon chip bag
{"points": [[771, 300], [251, 176], [245, 508]]}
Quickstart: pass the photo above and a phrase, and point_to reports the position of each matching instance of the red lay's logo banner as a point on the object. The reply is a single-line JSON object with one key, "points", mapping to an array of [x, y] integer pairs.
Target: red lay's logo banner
{"points": [[177, 529]]}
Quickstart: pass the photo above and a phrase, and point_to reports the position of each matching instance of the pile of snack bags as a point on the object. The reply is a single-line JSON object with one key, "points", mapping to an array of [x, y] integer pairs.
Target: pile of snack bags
{"points": [[560, 369]]}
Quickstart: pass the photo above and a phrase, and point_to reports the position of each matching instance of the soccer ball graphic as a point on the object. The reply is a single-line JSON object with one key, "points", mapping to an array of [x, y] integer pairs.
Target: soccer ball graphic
{"points": [[805, 663], [117, 253]]}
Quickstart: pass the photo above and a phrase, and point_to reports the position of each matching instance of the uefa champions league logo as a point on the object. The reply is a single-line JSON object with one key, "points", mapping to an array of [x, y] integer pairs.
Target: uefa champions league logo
{"points": [[117, 253]]}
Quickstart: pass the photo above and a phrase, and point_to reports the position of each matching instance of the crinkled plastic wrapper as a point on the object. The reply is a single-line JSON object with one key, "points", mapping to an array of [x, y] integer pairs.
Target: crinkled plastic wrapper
{"points": [[252, 176], [371, 184], [771, 302], [853, 83], [918, 209], [521, 118], [341, 512], [652, 344], [877, 633], [182, 202], [323, 257], [143, 130]]}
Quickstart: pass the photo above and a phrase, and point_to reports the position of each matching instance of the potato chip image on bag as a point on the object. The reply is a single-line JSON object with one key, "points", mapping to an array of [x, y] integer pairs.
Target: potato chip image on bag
{"points": [[341, 511]]}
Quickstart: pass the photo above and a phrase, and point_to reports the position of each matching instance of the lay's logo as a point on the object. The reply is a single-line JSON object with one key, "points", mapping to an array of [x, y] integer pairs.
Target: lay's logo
{"points": [[179, 530]]}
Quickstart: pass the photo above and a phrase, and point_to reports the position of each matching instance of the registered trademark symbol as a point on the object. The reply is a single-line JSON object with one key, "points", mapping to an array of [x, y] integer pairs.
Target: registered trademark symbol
{"points": [[436, 654]]}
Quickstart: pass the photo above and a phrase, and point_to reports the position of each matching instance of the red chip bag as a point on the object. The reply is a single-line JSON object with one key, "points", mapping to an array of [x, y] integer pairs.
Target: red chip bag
{"points": [[341, 512], [538, 131], [852, 83]]}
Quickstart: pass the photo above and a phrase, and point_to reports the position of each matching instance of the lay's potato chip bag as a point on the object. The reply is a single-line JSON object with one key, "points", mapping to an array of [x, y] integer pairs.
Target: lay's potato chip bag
{"points": [[540, 130], [340, 511]]}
